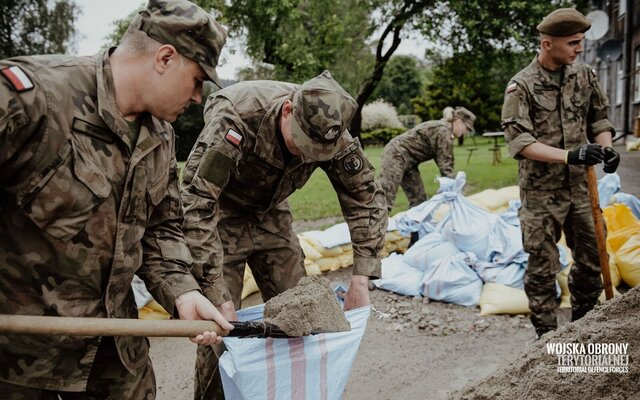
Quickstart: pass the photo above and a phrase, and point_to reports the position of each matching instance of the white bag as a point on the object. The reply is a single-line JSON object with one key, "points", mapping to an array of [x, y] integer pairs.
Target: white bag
{"points": [[311, 367]]}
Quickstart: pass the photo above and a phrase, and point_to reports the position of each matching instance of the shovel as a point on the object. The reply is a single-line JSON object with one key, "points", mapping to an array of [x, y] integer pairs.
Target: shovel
{"points": [[78, 326], [592, 184]]}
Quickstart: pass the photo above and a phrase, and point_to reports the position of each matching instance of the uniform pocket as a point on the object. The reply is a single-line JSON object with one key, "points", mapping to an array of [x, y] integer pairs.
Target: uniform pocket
{"points": [[67, 195], [545, 101]]}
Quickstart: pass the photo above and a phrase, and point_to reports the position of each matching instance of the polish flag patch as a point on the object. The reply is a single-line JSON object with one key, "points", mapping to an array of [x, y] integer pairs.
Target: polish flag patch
{"points": [[512, 87], [17, 78], [233, 137]]}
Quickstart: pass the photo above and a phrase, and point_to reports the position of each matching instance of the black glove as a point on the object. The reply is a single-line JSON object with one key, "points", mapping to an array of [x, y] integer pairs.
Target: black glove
{"points": [[589, 154], [611, 160]]}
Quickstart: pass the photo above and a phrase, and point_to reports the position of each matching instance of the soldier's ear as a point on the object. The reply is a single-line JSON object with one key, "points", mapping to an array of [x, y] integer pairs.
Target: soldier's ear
{"points": [[164, 57], [287, 108]]}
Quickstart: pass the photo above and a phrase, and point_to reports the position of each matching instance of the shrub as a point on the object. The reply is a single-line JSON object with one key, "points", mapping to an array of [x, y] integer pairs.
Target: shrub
{"points": [[379, 114], [380, 136]]}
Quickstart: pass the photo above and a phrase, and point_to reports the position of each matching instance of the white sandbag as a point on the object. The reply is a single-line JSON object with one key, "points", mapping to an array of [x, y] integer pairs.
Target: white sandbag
{"points": [[429, 250], [310, 252], [308, 368], [453, 281], [511, 275], [399, 277]]}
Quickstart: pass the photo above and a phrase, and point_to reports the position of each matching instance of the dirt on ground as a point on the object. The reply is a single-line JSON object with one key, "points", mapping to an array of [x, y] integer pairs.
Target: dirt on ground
{"points": [[415, 349]]}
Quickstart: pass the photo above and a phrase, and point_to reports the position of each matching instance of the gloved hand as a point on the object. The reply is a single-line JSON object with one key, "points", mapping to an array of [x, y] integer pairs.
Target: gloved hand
{"points": [[587, 154], [611, 160]]}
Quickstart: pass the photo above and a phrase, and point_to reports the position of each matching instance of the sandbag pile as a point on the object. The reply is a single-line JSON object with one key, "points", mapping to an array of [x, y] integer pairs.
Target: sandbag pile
{"points": [[472, 253]]}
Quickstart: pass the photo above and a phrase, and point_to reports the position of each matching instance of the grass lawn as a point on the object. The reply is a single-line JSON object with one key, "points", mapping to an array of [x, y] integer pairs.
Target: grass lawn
{"points": [[317, 199]]}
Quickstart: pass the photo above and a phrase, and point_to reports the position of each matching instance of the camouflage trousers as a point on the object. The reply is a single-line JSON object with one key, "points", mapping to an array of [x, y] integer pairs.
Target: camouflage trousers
{"points": [[394, 172], [272, 251], [108, 379], [544, 215]]}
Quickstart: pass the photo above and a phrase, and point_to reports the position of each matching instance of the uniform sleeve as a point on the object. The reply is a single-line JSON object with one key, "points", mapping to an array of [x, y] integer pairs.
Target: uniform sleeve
{"points": [[165, 268], [207, 172], [598, 108], [363, 206], [516, 122], [443, 152], [19, 115]]}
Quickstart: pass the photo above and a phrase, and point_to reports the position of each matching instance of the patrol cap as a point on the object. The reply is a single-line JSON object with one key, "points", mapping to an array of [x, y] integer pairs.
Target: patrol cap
{"points": [[564, 22], [322, 111], [191, 30], [466, 116]]}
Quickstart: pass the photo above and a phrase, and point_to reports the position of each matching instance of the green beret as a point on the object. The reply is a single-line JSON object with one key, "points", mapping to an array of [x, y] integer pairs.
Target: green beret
{"points": [[564, 22]]}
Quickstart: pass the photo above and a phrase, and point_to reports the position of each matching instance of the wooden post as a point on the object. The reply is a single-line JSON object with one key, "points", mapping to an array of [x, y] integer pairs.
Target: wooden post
{"points": [[592, 183]]}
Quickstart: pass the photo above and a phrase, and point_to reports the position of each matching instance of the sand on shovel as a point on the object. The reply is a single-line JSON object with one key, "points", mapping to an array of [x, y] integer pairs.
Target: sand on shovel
{"points": [[535, 375], [309, 306]]}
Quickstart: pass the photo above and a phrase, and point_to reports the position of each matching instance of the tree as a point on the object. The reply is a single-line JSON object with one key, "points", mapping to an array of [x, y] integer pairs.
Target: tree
{"points": [[401, 82], [36, 26]]}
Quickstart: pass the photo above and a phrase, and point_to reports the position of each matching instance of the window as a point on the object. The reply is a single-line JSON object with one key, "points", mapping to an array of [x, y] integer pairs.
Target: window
{"points": [[636, 76], [622, 7], [619, 77]]}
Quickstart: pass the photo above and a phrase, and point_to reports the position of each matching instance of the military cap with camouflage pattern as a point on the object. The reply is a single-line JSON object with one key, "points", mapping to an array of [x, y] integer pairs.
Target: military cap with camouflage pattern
{"points": [[190, 29], [564, 22], [322, 111], [466, 116]]}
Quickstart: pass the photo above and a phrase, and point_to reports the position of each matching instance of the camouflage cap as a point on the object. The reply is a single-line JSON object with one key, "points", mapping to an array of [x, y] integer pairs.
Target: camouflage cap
{"points": [[187, 27], [322, 111], [564, 22], [466, 116]]}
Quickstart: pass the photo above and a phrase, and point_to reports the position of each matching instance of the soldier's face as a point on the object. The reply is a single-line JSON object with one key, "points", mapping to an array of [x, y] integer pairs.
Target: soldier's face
{"points": [[565, 50], [285, 127], [179, 86], [459, 127]]}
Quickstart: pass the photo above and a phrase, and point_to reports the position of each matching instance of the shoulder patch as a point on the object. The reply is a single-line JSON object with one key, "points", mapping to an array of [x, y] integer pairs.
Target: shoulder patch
{"points": [[233, 137], [353, 163], [511, 87], [17, 78], [595, 75]]}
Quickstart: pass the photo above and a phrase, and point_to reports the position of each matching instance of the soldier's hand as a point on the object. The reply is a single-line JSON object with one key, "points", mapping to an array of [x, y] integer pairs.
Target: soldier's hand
{"points": [[358, 294], [194, 306], [587, 154], [611, 160]]}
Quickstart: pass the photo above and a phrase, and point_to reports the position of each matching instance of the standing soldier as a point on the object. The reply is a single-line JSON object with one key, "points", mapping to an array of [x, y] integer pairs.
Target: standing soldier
{"points": [[262, 140], [89, 196], [555, 121]]}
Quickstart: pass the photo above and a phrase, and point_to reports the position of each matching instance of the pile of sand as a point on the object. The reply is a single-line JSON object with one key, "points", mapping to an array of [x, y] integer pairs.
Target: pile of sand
{"points": [[310, 306], [534, 375]]}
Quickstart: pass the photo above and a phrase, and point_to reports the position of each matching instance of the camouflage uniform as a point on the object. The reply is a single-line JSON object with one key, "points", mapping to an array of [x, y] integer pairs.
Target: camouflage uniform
{"points": [[404, 153], [235, 197], [83, 207], [554, 196]]}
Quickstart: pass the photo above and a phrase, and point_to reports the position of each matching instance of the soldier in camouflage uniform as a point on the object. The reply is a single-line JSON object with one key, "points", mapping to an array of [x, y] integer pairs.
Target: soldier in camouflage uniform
{"points": [[89, 195], [555, 122], [262, 141], [431, 140]]}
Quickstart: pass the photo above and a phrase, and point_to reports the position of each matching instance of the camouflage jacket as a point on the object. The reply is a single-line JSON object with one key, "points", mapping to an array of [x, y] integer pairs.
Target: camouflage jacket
{"points": [[248, 177], [426, 141], [537, 110], [81, 210]]}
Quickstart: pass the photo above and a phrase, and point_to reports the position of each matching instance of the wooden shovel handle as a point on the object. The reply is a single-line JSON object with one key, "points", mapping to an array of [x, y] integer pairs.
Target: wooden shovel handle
{"points": [[74, 326], [592, 183]]}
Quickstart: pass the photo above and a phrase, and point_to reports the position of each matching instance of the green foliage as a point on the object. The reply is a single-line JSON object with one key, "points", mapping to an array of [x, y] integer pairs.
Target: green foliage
{"points": [[36, 26], [472, 80], [380, 136], [401, 82], [301, 38]]}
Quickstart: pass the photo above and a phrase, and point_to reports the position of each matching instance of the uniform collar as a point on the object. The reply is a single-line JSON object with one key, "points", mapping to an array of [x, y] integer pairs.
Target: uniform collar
{"points": [[544, 75], [267, 144], [110, 114]]}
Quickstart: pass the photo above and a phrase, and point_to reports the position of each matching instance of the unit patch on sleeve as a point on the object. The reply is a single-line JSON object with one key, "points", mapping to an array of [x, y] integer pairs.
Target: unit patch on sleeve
{"points": [[512, 86], [353, 163], [233, 137], [17, 78]]}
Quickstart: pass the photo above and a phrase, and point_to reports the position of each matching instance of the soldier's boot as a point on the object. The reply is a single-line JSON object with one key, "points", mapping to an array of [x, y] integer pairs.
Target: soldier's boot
{"points": [[580, 311], [542, 330], [414, 238]]}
